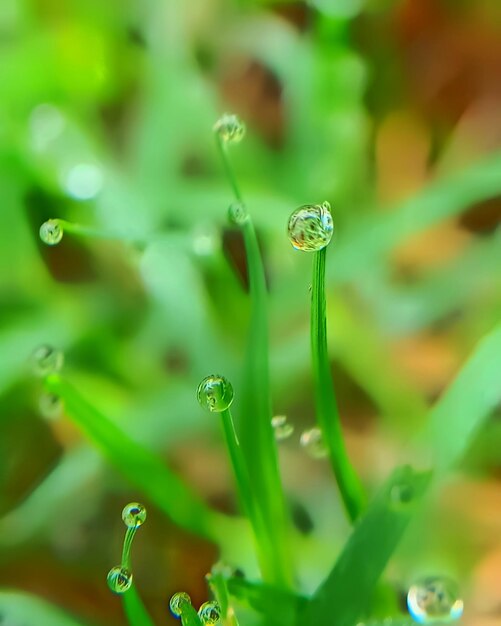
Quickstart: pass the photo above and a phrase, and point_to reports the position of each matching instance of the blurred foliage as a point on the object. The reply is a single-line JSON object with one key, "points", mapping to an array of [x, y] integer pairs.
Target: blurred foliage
{"points": [[388, 109]]}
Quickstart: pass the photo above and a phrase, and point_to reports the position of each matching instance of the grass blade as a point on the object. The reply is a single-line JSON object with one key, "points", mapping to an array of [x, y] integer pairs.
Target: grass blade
{"points": [[256, 432], [17, 607], [189, 616], [325, 400], [347, 591], [134, 609], [143, 468]]}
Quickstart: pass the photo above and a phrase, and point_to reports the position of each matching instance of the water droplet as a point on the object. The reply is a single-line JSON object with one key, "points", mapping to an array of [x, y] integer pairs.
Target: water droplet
{"points": [[215, 393], [209, 612], [83, 181], [119, 579], [237, 213], [51, 232], [401, 494], [51, 406], [435, 600], [310, 227], [47, 360], [134, 514], [281, 427], [230, 128], [177, 601], [313, 442]]}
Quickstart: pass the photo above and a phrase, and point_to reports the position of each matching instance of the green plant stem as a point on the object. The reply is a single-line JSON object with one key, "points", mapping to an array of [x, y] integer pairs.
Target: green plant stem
{"points": [[255, 429], [134, 609], [128, 539], [145, 470], [327, 410], [94, 233]]}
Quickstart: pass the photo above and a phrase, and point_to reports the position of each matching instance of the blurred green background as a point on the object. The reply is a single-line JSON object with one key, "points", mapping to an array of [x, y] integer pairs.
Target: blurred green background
{"points": [[388, 109]]}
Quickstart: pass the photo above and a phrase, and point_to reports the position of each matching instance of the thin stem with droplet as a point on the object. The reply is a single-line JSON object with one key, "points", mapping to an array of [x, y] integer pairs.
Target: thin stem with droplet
{"points": [[93, 233], [256, 432], [326, 405]]}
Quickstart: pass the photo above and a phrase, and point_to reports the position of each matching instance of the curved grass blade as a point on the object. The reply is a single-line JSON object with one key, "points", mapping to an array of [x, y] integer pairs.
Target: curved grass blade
{"points": [[17, 607], [189, 617], [327, 410], [134, 609], [348, 589], [143, 468]]}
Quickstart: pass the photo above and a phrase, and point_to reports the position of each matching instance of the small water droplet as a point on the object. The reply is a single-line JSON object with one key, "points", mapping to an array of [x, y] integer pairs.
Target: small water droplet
{"points": [[119, 579], [281, 427], [401, 494], [310, 227], [134, 514], [51, 232], [435, 600], [230, 128], [313, 442], [210, 612], [215, 393], [237, 213], [177, 601], [51, 406], [47, 360]]}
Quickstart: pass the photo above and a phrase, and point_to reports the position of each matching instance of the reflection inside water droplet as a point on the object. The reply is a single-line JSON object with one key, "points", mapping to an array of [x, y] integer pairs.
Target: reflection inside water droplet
{"points": [[215, 393], [310, 227], [230, 128], [47, 360], [210, 613], [51, 232], [435, 600], [119, 579], [177, 601], [134, 514], [281, 427]]}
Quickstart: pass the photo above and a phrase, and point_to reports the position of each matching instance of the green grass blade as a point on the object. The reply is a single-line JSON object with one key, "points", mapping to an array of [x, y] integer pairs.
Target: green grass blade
{"points": [[219, 586], [17, 607], [327, 410], [141, 467], [347, 591], [469, 399], [475, 392], [134, 609], [255, 430], [189, 616]]}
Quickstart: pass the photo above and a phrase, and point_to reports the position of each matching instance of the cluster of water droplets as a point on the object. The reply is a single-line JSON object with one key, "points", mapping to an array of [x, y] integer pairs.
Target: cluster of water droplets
{"points": [[312, 442], [119, 578], [310, 227], [230, 128], [209, 613], [215, 393], [435, 600], [282, 429]]}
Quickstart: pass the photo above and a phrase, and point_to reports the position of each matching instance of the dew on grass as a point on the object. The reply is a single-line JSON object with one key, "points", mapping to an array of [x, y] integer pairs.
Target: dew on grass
{"points": [[237, 213], [177, 601], [210, 612], [401, 494], [310, 227], [435, 600], [281, 427], [47, 360], [51, 232], [313, 442], [230, 128], [50, 406], [215, 393], [119, 579], [134, 514]]}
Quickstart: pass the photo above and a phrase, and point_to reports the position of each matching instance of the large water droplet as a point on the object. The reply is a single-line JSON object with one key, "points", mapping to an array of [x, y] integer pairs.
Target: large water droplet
{"points": [[435, 600], [313, 442], [215, 393], [51, 232], [230, 128], [177, 601], [281, 427], [310, 227], [134, 514], [51, 406], [210, 612], [119, 579], [237, 213], [47, 360]]}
